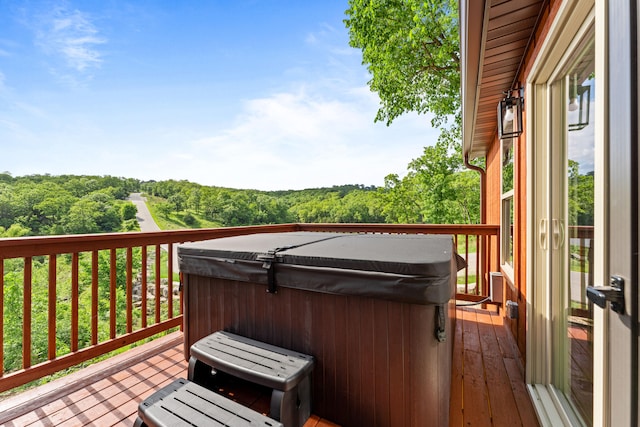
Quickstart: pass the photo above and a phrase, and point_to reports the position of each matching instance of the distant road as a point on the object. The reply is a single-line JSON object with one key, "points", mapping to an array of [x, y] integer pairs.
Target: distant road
{"points": [[143, 216], [148, 224]]}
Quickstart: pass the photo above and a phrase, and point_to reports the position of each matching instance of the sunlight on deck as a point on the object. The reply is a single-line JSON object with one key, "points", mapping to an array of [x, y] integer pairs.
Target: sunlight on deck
{"points": [[488, 388]]}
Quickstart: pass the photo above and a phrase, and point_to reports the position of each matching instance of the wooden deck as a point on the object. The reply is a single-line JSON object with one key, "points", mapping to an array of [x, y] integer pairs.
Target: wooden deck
{"points": [[487, 383], [487, 378]]}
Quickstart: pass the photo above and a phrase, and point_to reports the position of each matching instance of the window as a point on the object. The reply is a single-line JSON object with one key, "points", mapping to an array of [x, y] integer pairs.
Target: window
{"points": [[507, 216]]}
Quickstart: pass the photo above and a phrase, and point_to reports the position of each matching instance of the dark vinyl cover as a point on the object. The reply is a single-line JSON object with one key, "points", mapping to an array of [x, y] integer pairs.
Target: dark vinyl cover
{"points": [[408, 268]]}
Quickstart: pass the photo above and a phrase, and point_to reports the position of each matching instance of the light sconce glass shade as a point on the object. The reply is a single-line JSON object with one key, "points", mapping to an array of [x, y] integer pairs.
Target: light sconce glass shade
{"points": [[573, 104], [510, 114], [580, 103]]}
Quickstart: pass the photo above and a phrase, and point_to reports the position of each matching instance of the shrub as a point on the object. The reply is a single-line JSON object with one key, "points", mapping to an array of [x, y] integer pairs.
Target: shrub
{"points": [[189, 219]]}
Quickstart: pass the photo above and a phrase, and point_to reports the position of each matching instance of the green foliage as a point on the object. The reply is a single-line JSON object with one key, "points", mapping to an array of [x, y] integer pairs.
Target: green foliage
{"points": [[92, 214], [16, 230], [190, 220], [435, 190], [412, 50], [128, 211], [228, 207], [47, 205], [581, 194], [14, 294], [164, 208]]}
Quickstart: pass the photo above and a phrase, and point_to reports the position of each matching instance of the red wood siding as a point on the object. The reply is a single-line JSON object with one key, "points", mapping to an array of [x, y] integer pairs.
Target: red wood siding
{"points": [[516, 287]]}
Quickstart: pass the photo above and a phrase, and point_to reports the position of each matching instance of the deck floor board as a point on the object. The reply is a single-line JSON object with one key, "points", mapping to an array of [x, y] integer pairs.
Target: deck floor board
{"points": [[487, 384]]}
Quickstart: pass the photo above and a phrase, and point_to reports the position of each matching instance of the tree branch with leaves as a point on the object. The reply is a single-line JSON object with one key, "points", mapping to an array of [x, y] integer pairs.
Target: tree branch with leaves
{"points": [[411, 48]]}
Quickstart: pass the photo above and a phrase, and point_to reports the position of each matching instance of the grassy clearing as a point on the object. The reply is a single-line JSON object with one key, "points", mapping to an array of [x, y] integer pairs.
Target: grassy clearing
{"points": [[164, 269], [462, 243], [174, 221], [472, 279]]}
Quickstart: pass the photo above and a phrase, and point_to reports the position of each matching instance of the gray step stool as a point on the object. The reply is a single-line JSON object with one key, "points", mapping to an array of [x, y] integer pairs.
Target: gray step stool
{"points": [[287, 372], [183, 403]]}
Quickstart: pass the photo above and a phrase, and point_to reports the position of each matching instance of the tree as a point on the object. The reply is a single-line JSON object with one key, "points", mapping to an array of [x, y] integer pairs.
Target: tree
{"points": [[128, 211], [16, 230], [164, 208], [94, 213], [177, 201], [581, 194], [412, 50]]}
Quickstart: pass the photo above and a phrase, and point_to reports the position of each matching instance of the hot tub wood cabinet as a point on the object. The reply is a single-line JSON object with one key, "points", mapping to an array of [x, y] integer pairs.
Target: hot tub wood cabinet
{"points": [[375, 310]]}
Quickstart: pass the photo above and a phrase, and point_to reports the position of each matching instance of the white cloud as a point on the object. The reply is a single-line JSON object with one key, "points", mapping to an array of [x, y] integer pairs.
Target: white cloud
{"points": [[301, 140], [314, 128], [71, 35]]}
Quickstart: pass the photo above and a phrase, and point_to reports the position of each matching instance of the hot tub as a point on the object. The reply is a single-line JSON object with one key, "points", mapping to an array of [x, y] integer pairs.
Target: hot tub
{"points": [[375, 310]]}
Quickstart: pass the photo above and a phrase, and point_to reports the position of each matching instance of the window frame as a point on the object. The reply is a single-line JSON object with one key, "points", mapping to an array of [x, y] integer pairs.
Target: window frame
{"points": [[507, 220]]}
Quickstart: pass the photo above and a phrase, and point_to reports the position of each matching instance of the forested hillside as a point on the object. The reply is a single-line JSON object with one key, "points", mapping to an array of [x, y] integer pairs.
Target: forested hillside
{"points": [[39, 205], [194, 203], [435, 190]]}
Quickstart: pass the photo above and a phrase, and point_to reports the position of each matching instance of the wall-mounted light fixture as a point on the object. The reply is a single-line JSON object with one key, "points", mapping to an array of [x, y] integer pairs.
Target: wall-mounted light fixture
{"points": [[510, 114], [579, 99]]}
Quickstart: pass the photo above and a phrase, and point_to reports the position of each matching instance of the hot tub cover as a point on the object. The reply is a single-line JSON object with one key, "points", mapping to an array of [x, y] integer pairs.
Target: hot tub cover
{"points": [[417, 269]]}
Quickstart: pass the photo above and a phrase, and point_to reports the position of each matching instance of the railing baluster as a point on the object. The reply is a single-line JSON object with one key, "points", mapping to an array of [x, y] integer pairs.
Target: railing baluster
{"points": [[180, 301], [158, 255], [466, 270], [170, 281], [129, 290], [51, 333], [26, 314], [482, 260], [75, 295], [143, 290], [479, 272], [112, 293], [94, 297]]}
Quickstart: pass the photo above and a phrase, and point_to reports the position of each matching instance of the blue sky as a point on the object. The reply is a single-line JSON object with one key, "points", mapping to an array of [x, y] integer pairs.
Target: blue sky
{"points": [[245, 94]]}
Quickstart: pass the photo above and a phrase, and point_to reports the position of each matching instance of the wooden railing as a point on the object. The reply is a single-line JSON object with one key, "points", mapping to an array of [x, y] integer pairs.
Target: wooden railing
{"points": [[106, 264]]}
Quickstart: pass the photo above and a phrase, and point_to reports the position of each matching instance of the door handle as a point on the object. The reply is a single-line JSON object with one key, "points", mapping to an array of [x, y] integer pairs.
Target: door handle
{"points": [[614, 293], [558, 233], [542, 234]]}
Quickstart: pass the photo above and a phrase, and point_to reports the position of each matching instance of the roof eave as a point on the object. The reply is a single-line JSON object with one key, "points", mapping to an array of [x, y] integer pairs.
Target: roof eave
{"points": [[472, 39]]}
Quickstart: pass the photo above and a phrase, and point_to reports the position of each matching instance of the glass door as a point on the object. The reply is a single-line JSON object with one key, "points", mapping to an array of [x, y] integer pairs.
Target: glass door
{"points": [[572, 166]]}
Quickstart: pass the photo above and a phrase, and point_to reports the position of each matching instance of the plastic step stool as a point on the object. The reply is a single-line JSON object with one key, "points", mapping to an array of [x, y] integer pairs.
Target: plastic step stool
{"points": [[184, 403], [287, 372]]}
